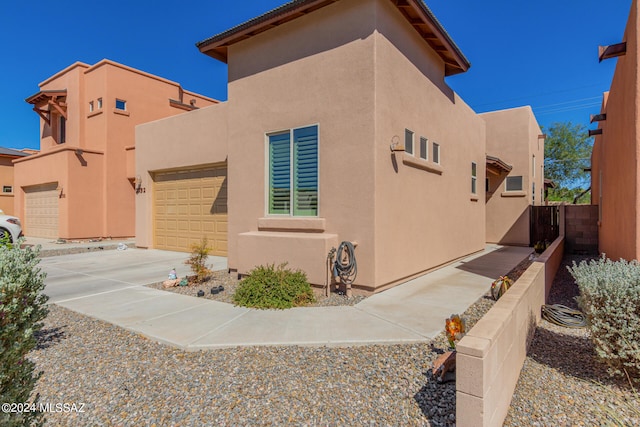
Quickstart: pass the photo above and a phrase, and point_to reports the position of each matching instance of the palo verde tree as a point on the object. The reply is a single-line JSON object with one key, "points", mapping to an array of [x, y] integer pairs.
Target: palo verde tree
{"points": [[567, 152]]}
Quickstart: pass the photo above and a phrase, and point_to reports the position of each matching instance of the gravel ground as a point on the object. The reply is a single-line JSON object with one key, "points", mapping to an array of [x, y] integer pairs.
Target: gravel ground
{"points": [[124, 379], [230, 283], [562, 383]]}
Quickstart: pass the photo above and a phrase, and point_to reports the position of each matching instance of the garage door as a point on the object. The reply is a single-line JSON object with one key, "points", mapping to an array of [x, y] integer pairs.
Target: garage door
{"points": [[41, 211], [188, 205]]}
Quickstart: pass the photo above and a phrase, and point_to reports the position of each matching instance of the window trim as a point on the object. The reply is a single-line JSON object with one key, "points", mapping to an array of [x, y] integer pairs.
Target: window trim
{"points": [[506, 184], [124, 104], [426, 148], [267, 188], [436, 153], [474, 178], [409, 148]]}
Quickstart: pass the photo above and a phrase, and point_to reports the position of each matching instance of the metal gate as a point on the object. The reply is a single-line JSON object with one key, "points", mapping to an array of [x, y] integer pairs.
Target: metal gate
{"points": [[544, 224]]}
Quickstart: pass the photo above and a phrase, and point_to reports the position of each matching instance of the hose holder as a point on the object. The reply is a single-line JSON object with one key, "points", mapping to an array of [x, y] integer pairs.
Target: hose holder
{"points": [[345, 265]]}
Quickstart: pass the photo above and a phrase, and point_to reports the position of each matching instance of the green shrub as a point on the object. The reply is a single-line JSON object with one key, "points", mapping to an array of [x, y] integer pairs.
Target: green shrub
{"points": [[610, 300], [198, 258], [274, 287], [22, 308]]}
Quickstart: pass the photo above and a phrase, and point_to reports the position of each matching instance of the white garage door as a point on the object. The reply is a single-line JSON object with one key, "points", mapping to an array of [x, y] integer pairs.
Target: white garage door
{"points": [[41, 211], [188, 205]]}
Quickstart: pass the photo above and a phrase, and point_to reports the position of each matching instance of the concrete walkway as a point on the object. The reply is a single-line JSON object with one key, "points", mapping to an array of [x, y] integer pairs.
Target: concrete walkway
{"points": [[108, 285]]}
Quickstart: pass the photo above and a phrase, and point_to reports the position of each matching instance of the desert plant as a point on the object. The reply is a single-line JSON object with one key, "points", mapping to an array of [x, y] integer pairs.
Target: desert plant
{"points": [[22, 309], [500, 286], [198, 258], [274, 287], [610, 300]]}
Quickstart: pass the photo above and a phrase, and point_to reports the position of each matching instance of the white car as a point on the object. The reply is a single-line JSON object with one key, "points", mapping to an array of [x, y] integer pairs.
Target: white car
{"points": [[10, 226]]}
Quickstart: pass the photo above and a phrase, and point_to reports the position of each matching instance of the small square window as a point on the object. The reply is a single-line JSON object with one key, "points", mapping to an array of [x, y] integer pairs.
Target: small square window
{"points": [[121, 105], [514, 183], [7, 189], [99, 103], [436, 153], [424, 148], [91, 106], [408, 141]]}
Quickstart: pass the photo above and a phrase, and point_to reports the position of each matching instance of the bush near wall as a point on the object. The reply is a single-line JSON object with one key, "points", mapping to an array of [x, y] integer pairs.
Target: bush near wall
{"points": [[274, 287], [610, 300], [22, 308]]}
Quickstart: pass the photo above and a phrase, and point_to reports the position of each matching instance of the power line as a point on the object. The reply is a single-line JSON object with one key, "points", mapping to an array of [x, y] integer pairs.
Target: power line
{"points": [[536, 96]]}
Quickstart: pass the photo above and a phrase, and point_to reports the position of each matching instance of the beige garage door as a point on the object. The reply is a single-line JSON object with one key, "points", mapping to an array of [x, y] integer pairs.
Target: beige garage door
{"points": [[41, 211], [188, 205]]}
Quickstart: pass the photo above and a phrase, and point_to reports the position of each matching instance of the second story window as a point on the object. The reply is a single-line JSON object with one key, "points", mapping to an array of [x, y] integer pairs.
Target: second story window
{"points": [[121, 105], [62, 130], [91, 107], [424, 148], [99, 103], [474, 178], [436, 153], [514, 183]]}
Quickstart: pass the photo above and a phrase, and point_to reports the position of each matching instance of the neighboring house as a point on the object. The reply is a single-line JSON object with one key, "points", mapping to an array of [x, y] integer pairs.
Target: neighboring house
{"points": [[515, 171], [82, 183], [339, 127], [615, 161], [7, 155]]}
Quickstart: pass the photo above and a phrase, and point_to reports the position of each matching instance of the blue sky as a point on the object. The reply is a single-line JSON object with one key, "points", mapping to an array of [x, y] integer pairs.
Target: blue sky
{"points": [[541, 53]]}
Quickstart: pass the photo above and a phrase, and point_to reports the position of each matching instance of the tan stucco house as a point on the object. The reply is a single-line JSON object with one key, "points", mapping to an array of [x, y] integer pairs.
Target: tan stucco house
{"points": [[339, 127], [515, 174], [82, 183], [615, 161], [7, 156]]}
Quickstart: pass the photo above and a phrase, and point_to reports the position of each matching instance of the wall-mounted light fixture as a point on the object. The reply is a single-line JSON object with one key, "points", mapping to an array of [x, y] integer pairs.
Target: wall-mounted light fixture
{"points": [[137, 184], [395, 144]]}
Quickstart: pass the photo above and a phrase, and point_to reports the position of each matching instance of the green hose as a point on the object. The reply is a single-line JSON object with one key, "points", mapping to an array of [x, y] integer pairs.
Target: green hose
{"points": [[563, 316]]}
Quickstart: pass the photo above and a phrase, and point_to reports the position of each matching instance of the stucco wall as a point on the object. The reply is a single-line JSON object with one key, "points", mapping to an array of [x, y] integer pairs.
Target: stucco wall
{"points": [[6, 178], [617, 154], [196, 138], [513, 136], [317, 69], [425, 214]]}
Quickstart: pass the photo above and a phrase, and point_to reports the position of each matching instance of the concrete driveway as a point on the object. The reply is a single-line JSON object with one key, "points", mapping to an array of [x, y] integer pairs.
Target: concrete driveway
{"points": [[74, 276]]}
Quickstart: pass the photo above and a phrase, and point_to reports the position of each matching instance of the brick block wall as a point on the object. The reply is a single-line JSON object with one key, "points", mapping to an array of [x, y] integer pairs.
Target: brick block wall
{"points": [[581, 229]]}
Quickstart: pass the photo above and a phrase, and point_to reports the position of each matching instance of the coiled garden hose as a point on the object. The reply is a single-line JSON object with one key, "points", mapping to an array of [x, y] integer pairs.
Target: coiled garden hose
{"points": [[563, 316], [345, 265]]}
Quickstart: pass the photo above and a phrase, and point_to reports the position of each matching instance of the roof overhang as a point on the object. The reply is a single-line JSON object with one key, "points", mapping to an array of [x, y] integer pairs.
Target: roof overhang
{"points": [[497, 166], [53, 99], [415, 12], [548, 183]]}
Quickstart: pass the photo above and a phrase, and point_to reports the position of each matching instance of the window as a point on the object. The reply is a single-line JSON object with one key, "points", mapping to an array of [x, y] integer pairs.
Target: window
{"points": [[91, 106], [408, 141], [424, 148], [121, 105], [7, 189], [99, 103], [487, 184], [62, 130], [436, 153], [474, 178], [293, 172], [514, 183]]}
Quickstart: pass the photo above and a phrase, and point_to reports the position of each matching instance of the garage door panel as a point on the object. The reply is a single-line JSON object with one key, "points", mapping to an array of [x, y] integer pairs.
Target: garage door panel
{"points": [[41, 211], [189, 205]]}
